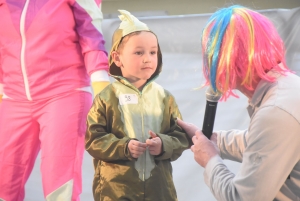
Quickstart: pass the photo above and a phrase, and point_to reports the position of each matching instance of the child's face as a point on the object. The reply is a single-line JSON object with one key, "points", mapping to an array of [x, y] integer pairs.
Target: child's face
{"points": [[138, 58]]}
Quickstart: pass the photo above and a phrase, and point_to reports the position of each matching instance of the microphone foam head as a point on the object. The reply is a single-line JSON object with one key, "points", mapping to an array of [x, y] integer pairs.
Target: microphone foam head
{"points": [[211, 95]]}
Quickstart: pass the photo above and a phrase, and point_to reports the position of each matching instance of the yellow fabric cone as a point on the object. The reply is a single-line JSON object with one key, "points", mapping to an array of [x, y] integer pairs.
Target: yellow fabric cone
{"points": [[99, 86]]}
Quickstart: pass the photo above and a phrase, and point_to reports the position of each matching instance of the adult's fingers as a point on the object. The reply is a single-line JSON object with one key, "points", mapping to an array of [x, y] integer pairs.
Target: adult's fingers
{"points": [[214, 138], [198, 137], [189, 128], [199, 134], [192, 148], [182, 124]]}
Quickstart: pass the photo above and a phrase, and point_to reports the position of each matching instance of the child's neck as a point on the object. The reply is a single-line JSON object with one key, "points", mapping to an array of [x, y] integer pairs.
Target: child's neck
{"points": [[139, 84]]}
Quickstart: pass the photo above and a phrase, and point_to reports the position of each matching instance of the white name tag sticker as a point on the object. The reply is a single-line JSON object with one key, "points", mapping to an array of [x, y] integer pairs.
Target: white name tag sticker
{"points": [[125, 99]]}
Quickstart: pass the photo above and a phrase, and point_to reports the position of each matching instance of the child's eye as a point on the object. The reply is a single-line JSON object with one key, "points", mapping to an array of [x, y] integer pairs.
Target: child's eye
{"points": [[138, 53], [153, 52]]}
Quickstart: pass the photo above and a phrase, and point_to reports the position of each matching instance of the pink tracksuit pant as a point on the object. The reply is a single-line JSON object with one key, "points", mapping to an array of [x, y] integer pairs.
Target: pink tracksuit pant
{"points": [[55, 126]]}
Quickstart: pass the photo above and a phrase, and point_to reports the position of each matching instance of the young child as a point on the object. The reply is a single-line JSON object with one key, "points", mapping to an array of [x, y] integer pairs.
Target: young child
{"points": [[132, 131]]}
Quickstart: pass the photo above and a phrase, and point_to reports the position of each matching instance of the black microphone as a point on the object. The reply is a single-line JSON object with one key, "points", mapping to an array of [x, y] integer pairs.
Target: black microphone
{"points": [[212, 99]]}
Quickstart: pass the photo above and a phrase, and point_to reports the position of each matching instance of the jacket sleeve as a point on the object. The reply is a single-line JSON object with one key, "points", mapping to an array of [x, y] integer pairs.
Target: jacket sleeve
{"points": [[1, 81], [232, 144], [269, 157], [174, 141], [99, 143], [88, 17], [1, 73]]}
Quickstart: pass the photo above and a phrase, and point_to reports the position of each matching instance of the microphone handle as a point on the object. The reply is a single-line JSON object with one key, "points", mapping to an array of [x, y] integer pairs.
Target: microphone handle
{"points": [[209, 118]]}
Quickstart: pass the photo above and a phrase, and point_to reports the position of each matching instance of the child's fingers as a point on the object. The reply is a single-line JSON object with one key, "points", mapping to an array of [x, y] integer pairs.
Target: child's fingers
{"points": [[153, 149], [152, 134], [138, 144], [150, 142], [136, 148], [136, 153], [142, 145]]}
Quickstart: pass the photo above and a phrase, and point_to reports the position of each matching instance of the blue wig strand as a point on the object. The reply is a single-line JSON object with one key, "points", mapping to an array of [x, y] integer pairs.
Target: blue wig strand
{"points": [[221, 19]]}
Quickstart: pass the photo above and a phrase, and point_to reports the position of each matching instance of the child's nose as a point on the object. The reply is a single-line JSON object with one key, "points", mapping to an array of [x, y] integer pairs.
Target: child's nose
{"points": [[146, 59]]}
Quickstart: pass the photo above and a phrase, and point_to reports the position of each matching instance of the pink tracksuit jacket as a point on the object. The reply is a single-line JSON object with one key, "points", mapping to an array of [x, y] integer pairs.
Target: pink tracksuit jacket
{"points": [[48, 50], [42, 43]]}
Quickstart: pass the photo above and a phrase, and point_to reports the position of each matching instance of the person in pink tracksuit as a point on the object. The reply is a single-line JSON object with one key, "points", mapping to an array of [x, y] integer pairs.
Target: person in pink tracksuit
{"points": [[50, 52]]}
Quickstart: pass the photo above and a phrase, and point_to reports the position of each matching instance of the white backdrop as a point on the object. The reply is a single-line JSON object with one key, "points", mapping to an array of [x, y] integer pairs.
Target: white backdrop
{"points": [[179, 38]]}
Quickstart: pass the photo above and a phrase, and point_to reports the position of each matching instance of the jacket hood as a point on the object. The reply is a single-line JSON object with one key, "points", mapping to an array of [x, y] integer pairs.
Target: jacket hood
{"points": [[130, 24]]}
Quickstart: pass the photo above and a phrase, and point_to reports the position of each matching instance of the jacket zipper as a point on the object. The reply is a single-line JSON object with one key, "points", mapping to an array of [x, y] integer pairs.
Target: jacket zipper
{"points": [[143, 135], [23, 38], [144, 140]]}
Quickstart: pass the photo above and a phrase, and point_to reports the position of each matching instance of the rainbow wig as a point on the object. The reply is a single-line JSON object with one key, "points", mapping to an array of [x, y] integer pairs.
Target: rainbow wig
{"points": [[240, 44]]}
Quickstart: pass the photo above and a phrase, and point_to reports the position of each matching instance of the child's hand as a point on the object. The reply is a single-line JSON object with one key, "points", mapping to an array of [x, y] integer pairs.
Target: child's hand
{"points": [[154, 144], [136, 148]]}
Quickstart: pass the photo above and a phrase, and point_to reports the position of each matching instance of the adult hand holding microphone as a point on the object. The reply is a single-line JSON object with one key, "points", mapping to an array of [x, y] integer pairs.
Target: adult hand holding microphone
{"points": [[203, 148]]}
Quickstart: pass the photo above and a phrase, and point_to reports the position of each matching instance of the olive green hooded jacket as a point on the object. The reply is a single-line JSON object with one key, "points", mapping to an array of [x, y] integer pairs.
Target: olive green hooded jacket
{"points": [[121, 113]]}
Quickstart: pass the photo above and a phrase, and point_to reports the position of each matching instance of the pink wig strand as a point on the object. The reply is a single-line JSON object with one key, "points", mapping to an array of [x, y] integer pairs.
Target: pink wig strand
{"points": [[249, 48]]}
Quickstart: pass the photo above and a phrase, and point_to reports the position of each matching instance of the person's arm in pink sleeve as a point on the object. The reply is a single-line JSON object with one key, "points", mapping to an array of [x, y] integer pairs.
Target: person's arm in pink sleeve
{"points": [[88, 17], [1, 92], [1, 82]]}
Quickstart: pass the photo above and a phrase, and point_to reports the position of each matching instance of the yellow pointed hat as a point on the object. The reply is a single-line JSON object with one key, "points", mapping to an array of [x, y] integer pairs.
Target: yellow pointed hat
{"points": [[128, 25]]}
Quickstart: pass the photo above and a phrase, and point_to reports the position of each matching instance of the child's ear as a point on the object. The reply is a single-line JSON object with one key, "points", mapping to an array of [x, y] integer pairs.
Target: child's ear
{"points": [[116, 58]]}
